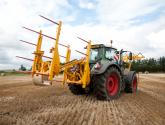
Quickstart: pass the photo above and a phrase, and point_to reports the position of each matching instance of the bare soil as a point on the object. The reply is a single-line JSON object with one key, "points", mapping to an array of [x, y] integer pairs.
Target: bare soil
{"points": [[22, 103]]}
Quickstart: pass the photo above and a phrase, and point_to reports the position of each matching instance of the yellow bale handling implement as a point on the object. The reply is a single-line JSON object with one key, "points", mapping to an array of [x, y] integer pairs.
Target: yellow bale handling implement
{"points": [[101, 71], [43, 72]]}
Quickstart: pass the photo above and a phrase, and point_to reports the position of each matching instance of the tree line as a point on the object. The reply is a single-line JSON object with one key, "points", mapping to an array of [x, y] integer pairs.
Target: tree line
{"points": [[150, 65]]}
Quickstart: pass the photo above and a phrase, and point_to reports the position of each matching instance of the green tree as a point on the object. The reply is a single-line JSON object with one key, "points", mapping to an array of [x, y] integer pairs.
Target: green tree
{"points": [[151, 65], [22, 68]]}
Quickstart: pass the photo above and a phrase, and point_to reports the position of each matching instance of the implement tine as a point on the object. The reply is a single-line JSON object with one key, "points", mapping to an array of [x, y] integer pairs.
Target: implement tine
{"points": [[24, 58], [82, 39], [28, 42], [81, 52], [39, 33], [49, 19]]}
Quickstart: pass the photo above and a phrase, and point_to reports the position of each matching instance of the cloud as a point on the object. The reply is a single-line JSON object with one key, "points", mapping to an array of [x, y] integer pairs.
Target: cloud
{"points": [[86, 4], [119, 13], [135, 25], [17, 13], [157, 36]]}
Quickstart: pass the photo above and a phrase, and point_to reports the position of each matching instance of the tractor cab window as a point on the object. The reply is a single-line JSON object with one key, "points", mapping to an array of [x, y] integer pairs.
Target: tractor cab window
{"points": [[94, 54], [110, 53]]}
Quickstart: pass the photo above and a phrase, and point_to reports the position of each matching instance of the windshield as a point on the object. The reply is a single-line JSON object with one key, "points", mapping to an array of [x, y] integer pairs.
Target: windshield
{"points": [[110, 53], [94, 55]]}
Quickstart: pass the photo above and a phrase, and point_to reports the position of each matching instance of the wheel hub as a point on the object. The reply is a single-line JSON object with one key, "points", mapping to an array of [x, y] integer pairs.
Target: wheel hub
{"points": [[112, 84]]}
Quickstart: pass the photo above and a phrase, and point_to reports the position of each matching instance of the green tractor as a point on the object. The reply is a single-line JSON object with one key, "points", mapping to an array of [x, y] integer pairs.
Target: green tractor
{"points": [[109, 73]]}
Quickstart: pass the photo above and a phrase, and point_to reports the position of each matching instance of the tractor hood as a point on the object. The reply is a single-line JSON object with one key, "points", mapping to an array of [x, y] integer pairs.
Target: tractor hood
{"points": [[101, 66]]}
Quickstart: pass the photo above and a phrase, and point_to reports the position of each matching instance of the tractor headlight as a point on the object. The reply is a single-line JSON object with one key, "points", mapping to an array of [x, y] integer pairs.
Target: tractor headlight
{"points": [[97, 65]]}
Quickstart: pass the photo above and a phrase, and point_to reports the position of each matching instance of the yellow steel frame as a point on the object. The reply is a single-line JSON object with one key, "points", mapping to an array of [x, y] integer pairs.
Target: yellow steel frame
{"points": [[67, 60], [126, 59], [55, 63], [82, 74], [37, 63], [86, 74], [49, 68]]}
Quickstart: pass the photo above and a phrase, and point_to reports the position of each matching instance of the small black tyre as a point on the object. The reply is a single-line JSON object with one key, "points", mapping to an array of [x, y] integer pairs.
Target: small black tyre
{"points": [[76, 89], [107, 86]]}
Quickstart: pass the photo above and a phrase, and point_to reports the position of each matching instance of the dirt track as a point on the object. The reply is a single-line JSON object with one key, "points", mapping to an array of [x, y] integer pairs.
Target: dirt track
{"points": [[22, 103]]}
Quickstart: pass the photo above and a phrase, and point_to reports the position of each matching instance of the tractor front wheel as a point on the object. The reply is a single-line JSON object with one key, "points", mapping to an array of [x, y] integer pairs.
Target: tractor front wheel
{"points": [[107, 86]]}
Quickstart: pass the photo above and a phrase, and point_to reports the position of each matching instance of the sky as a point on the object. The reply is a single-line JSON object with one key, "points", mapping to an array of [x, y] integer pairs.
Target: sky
{"points": [[135, 25]]}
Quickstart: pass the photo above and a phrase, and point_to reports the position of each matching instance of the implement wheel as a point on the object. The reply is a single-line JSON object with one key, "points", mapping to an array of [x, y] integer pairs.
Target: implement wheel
{"points": [[41, 80], [76, 89]]}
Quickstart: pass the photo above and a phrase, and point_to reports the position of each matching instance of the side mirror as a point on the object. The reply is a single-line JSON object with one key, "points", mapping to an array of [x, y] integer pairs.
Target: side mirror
{"points": [[130, 56], [121, 51]]}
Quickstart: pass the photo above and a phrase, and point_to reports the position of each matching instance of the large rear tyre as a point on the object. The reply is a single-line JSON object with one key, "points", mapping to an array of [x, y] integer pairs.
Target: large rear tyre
{"points": [[76, 89], [41, 80], [131, 85], [107, 86]]}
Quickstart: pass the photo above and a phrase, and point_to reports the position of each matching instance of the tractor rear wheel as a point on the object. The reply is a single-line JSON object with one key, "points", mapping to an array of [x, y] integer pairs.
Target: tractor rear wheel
{"points": [[107, 86], [131, 87], [76, 89]]}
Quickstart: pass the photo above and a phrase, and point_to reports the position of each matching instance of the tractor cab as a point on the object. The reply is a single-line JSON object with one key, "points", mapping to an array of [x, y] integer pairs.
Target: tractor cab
{"points": [[100, 52]]}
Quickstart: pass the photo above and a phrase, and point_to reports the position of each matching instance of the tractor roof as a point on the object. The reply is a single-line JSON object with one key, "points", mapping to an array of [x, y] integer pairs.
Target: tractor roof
{"points": [[100, 46]]}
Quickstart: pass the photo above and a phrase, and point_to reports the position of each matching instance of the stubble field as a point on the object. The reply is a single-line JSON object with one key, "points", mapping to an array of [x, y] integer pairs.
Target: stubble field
{"points": [[22, 103]]}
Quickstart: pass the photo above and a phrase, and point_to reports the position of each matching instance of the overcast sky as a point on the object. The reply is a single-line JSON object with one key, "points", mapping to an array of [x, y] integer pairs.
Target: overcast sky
{"points": [[136, 25]]}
